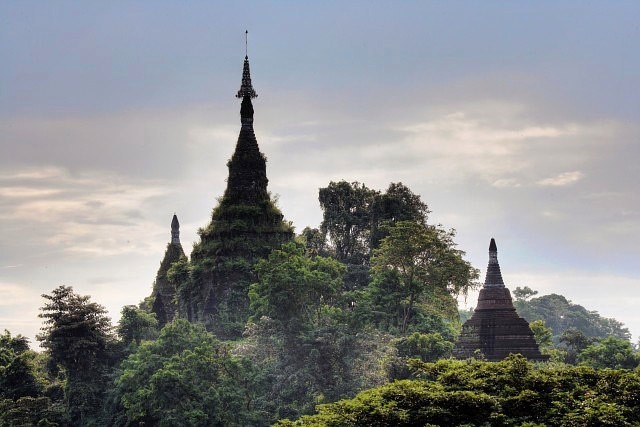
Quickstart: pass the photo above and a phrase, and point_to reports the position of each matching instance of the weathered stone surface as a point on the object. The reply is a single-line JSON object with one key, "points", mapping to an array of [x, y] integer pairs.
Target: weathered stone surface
{"points": [[244, 227], [164, 292], [495, 329]]}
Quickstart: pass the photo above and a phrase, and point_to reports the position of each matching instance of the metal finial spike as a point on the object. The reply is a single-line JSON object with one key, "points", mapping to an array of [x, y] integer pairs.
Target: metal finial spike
{"points": [[245, 88], [246, 43]]}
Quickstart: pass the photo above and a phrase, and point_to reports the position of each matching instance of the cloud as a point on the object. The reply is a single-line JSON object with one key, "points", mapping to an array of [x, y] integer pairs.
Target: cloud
{"points": [[562, 180], [506, 183], [16, 295], [90, 213]]}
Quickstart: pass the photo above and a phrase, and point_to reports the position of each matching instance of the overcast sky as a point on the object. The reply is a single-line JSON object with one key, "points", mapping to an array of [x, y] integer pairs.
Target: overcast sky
{"points": [[513, 120]]}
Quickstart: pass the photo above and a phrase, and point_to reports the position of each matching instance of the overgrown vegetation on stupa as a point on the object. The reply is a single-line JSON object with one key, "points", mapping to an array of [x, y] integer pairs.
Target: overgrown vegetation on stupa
{"points": [[261, 325], [318, 330]]}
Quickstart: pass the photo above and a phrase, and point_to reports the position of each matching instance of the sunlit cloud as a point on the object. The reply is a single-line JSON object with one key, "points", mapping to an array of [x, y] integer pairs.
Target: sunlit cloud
{"points": [[15, 294], [561, 180], [26, 192], [92, 213]]}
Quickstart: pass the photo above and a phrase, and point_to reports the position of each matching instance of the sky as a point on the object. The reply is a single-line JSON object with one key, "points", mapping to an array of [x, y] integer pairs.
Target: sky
{"points": [[513, 120]]}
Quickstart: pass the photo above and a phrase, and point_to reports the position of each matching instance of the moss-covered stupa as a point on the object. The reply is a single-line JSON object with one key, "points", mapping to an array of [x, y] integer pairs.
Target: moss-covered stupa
{"points": [[495, 329], [164, 291], [245, 226]]}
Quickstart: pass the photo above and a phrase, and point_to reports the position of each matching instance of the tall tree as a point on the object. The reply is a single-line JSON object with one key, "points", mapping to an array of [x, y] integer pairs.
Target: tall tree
{"points": [[314, 241], [77, 335], [398, 203], [347, 219], [417, 271]]}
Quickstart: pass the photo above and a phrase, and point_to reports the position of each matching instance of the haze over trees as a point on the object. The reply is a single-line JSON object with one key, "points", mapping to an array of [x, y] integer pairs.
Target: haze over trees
{"points": [[358, 316]]}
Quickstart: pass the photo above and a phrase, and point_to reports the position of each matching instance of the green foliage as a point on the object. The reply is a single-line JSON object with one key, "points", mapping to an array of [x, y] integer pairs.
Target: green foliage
{"points": [[416, 273], [610, 352], [542, 334], [185, 377], [163, 303], [512, 392], [78, 338], [425, 347], [314, 241], [32, 411], [76, 331], [17, 368], [214, 287], [524, 294], [293, 288], [23, 386], [573, 341], [323, 364], [302, 337], [347, 219], [136, 324], [398, 203], [559, 314], [357, 218]]}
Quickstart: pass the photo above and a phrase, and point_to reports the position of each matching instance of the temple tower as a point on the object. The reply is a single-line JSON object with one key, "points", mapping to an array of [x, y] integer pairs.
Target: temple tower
{"points": [[495, 329], [244, 227], [164, 291]]}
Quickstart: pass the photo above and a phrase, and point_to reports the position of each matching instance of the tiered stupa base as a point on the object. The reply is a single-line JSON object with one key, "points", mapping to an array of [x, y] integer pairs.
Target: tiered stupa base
{"points": [[496, 330]]}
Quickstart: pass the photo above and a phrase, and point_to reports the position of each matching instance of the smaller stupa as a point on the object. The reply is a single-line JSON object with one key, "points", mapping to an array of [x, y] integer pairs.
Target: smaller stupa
{"points": [[495, 329], [164, 292]]}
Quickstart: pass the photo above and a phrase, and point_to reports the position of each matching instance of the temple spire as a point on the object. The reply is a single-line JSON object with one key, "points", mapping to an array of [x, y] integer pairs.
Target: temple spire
{"points": [[495, 329], [493, 279], [246, 89], [175, 231]]}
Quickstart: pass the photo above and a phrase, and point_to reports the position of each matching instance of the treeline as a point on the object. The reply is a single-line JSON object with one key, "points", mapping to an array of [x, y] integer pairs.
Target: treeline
{"points": [[512, 392], [332, 312]]}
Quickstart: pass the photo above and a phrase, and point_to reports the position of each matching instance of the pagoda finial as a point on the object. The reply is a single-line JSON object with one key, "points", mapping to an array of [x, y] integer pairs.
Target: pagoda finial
{"points": [[493, 279], [246, 89], [175, 230]]}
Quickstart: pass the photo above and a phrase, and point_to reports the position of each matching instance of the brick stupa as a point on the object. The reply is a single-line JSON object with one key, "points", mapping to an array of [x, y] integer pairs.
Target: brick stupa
{"points": [[495, 329]]}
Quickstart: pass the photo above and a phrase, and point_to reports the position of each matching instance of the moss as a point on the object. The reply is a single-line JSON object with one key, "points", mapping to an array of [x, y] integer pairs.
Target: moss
{"points": [[245, 226]]}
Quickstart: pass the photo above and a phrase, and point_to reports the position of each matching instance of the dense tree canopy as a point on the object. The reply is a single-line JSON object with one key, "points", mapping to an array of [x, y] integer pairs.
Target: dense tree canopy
{"points": [[398, 203], [78, 338], [513, 392], [417, 271], [610, 352], [310, 322], [136, 324], [17, 371], [560, 314], [293, 288], [347, 219], [185, 377], [25, 392]]}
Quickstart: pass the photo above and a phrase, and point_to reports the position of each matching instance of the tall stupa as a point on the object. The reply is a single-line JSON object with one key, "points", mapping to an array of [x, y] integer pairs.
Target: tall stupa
{"points": [[245, 227]]}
